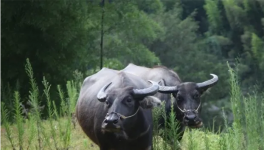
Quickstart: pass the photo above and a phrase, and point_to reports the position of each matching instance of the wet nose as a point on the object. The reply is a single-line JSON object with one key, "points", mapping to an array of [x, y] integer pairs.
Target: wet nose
{"points": [[111, 123], [111, 119], [190, 117]]}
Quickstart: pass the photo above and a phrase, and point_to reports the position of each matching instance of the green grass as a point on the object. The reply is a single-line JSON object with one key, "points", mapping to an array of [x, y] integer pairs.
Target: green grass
{"points": [[58, 131], [79, 140]]}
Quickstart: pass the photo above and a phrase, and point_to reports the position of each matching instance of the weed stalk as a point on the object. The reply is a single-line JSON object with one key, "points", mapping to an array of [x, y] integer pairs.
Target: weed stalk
{"points": [[19, 119]]}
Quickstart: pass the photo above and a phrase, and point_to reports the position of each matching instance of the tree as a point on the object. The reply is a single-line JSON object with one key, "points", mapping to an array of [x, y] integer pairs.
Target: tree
{"points": [[240, 34], [60, 37], [182, 48], [54, 35]]}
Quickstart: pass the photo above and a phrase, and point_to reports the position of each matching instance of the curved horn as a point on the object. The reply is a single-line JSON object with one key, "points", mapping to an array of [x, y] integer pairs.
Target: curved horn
{"points": [[147, 91], [210, 82], [101, 94], [168, 89]]}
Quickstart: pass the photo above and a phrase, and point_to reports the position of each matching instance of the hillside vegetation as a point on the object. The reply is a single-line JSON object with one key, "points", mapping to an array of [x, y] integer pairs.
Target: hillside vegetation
{"points": [[60, 130], [65, 38]]}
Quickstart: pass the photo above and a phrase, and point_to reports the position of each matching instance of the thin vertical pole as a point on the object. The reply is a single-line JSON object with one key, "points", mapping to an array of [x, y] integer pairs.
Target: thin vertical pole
{"points": [[102, 36]]}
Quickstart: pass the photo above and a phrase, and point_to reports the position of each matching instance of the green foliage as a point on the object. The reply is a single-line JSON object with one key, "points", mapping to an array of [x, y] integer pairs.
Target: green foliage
{"points": [[191, 144], [194, 38], [257, 48], [235, 135], [34, 102], [165, 137], [48, 33], [19, 119], [50, 111], [64, 36], [244, 18], [72, 96], [235, 97], [156, 113], [173, 127], [253, 126], [34, 91], [31, 131], [127, 26], [213, 14], [235, 14], [246, 127], [246, 132], [177, 39], [4, 120]]}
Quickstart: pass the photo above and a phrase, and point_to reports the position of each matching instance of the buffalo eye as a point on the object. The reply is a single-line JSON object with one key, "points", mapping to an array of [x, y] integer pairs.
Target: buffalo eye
{"points": [[107, 103], [196, 96], [179, 98], [129, 100]]}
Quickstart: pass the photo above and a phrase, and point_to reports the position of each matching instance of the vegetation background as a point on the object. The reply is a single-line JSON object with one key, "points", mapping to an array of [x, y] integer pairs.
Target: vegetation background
{"points": [[193, 37]]}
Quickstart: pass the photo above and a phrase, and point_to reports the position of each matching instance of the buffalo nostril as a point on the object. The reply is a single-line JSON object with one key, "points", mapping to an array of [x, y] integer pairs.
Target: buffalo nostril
{"points": [[190, 117], [115, 121], [105, 121], [110, 121]]}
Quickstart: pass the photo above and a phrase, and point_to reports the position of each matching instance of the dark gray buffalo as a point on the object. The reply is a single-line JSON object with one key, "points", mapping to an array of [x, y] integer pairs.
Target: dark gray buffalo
{"points": [[113, 110], [186, 102]]}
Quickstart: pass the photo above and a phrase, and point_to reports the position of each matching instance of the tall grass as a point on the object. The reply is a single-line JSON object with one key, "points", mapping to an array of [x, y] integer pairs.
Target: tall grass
{"points": [[34, 102], [246, 131], [19, 119], [5, 122], [31, 131], [50, 112], [58, 131]]}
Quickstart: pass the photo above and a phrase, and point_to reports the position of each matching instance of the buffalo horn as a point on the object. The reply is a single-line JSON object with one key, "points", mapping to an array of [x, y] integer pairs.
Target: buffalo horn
{"points": [[208, 82], [168, 89], [147, 91], [101, 96]]}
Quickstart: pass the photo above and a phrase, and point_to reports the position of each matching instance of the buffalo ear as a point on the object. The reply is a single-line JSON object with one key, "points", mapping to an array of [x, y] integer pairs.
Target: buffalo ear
{"points": [[149, 102]]}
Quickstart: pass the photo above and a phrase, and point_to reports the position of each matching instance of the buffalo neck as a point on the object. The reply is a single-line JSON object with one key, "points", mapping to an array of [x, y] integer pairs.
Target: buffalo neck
{"points": [[141, 127]]}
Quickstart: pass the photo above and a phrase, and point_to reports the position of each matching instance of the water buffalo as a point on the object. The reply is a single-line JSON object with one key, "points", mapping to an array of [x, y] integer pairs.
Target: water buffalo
{"points": [[113, 110], [186, 101]]}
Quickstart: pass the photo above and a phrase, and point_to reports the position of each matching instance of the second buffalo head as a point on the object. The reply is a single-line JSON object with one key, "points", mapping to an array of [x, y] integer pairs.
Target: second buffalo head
{"points": [[187, 100]]}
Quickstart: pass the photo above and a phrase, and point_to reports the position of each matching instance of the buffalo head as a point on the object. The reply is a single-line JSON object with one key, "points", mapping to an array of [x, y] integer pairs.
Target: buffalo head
{"points": [[124, 105], [187, 99]]}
